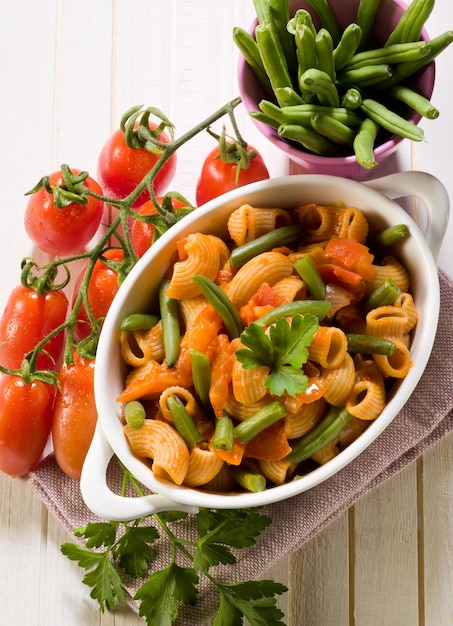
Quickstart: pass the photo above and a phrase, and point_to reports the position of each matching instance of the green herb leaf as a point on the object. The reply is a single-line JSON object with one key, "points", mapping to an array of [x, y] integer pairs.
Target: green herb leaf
{"points": [[104, 580], [253, 600], [284, 351], [161, 595], [133, 550], [98, 534]]}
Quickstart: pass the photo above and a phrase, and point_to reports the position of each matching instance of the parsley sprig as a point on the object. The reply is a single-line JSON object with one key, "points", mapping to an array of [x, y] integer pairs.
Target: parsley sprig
{"points": [[115, 552], [283, 349]]}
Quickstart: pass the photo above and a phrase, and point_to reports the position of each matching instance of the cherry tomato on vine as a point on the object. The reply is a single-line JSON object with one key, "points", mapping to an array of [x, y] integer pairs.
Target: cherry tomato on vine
{"points": [[74, 415], [25, 423], [142, 233], [218, 177], [121, 169], [102, 289], [28, 318], [67, 230]]}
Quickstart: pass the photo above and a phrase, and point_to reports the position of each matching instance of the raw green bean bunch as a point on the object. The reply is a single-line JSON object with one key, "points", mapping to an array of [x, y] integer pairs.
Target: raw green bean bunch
{"points": [[326, 89]]}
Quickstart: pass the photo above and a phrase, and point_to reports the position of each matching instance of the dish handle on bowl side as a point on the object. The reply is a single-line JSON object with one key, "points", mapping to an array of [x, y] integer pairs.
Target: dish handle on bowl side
{"points": [[427, 188], [102, 501]]}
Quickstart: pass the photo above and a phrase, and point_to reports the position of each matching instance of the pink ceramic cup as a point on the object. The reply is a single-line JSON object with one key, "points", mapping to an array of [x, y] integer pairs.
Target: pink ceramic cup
{"points": [[252, 93]]}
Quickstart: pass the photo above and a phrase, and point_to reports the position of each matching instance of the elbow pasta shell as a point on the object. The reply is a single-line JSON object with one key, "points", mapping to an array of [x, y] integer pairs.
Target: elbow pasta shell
{"points": [[277, 471], [269, 267], [184, 395], [290, 288], [204, 465], [202, 256], [337, 382], [327, 452], [393, 321], [248, 384], [240, 411], [247, 223], [138, 347], [190, 308], [329, 347], [308, 415], [398, 364], [160, 442], [324, 222], [389, 267], [367, 398]]}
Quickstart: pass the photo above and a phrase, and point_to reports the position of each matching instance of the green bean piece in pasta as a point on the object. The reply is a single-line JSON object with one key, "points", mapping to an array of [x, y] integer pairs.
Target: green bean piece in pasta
{"points": [[183, 421], [138, 321], [282, 236], [250, 481], [318, 308], [264, 417], [386, 293], [134, 414], [364, 142], [222, 304], [171, 330], [367, 344], [311, 277], [224, 433], [322, 434], [388, 237], [201, 374]]}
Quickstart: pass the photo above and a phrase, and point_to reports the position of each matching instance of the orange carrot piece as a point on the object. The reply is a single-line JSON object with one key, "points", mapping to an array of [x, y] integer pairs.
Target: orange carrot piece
{"points": [[233, 456], [271, 444], [221, 372], [352, 255]]}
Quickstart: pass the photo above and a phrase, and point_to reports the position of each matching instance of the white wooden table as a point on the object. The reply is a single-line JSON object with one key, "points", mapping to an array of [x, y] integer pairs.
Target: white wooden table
{"points": [[68, 70]]}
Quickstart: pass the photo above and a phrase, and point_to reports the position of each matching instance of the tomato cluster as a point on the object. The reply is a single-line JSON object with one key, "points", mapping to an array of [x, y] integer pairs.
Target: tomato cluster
{"points": [[48, 392]]}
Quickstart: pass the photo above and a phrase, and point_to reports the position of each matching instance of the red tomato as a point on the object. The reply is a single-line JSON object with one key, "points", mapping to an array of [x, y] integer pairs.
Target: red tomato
{"points": [[121, 169], [25, 423], [74, 416], [218, 177], [26, 320], [102, 289], [62, 231], [142, 233]]}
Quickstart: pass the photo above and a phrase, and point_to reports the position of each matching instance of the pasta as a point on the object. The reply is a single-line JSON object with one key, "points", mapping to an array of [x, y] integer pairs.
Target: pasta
{"points": [[279, 366]]}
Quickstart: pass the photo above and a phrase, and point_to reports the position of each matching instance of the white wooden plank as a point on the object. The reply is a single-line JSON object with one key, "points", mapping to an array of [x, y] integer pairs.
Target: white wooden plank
{"points": [[386, 554], [436, 469]]}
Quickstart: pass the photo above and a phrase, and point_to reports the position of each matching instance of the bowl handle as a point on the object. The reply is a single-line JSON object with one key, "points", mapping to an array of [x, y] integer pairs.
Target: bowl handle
{"points": [[102, 501], [427, 188]]}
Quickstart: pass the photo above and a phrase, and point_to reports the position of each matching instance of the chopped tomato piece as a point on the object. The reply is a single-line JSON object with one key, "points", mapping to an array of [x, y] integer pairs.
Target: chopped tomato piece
{"points": [[352, 255], [271, 444]]}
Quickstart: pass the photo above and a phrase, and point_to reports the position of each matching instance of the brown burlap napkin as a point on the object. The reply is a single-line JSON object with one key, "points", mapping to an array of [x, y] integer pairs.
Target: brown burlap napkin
{"points": [[424, 420]]}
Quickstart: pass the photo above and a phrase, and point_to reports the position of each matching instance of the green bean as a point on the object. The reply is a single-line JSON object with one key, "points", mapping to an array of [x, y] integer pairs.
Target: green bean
{"points": [[328, 19], [170, 324], [384, 294], [367, 344], [306, 57], [287, 96], [264, 119], [307, 270], [347, 46], [201, 374], [301, 17], [365, 76], [302, 114], [249, 50], [251, 481], [389, 237], [411, 22], [318, 308], [138, 321], [310, 139], [263, 418], [279, 14], [324, 53], [414, 100], [183, 421], [364, 143], [366, 14], [390, 120], [275, 238], [134, 414], [322, 434], [352, 99], [273, 60], [221, 303], [333, 130], [322, 85], [397, 53], [224, 433]]}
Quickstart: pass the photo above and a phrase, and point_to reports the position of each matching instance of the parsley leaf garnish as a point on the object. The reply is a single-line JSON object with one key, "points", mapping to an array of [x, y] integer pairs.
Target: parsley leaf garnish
{"points": [[283, 350]]}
